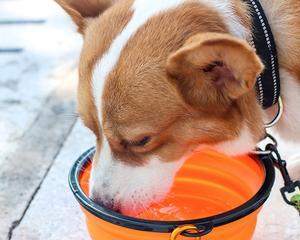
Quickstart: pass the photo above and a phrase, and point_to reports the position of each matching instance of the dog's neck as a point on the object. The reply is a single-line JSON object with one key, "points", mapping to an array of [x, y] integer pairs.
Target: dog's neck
{"points": [[234, 23]]}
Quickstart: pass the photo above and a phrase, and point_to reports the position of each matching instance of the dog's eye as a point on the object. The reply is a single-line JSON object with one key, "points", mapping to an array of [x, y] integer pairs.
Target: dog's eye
{"points": [[142, 142]]}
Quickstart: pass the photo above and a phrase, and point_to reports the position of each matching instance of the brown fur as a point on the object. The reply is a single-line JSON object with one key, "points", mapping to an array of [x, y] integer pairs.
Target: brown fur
{"points": [[212, 90], [284, 17], [182, 81], [95, 33], [140, 96], [81, 10], [241, 9], [139, 89]]}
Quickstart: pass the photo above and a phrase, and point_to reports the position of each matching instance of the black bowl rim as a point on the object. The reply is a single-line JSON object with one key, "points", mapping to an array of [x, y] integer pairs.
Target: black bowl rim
{"points": [[168, 226]]}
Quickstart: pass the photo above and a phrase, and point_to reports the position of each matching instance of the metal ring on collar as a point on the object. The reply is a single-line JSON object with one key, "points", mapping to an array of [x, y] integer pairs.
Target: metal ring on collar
{"points": [[278, 115]]}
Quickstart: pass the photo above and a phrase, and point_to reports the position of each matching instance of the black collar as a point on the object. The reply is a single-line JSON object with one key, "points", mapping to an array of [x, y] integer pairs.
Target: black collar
{"points": [[268, 83]]}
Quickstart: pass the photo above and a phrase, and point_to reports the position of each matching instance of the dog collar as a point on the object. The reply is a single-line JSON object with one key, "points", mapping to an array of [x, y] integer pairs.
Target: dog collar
{"points": [[268, 83]]}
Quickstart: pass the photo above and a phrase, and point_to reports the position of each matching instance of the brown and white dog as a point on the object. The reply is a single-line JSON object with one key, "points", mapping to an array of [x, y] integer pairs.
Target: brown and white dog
{"points": [[159, 79]]}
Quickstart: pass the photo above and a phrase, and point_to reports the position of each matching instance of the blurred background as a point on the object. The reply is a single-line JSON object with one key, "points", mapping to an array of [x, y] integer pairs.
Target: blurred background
{"points": [[41, 136]]}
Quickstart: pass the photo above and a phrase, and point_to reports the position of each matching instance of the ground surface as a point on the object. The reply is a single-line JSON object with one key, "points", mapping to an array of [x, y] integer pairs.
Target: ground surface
{"points": [[41, 137]]}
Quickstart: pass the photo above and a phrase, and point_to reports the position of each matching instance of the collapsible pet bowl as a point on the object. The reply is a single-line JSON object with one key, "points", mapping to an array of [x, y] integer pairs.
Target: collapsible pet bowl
{"points": [[214, 197]]}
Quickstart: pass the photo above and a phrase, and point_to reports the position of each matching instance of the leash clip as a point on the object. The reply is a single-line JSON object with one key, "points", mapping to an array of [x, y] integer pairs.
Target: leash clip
{"points": [[266, 151], [290, 187]]}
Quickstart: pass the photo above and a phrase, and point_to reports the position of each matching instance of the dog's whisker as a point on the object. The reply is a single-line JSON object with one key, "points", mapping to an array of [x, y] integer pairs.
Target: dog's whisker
{"points": [[72, 116], [146, 210], [159, 204], [171, 195]]}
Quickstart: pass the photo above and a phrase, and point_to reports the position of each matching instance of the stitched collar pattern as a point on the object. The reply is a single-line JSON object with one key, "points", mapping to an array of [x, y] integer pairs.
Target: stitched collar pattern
{"points": [[268, 83]]}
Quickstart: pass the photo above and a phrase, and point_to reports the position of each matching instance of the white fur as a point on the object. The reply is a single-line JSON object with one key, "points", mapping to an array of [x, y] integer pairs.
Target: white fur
{"points": [[129, 185], [288, 126], [133, 187], [225, 9], [244, 143], [143, 11], [98, 164]]}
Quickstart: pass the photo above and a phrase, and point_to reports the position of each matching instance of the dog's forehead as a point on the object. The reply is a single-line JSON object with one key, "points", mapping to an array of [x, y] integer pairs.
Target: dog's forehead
{"points": [[133, 40], [119, 71]]}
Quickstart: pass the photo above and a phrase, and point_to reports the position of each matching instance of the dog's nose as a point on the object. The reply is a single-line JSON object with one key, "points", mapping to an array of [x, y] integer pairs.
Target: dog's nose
{"points": [[109, 203]]}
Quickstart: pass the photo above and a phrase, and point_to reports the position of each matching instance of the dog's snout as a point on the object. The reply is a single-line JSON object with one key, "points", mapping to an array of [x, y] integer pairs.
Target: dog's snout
{"points": [[107, 202]]}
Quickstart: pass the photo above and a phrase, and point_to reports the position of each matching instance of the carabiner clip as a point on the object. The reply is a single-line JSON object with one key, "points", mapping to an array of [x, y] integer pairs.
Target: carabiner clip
{"points": [[289, 185]]}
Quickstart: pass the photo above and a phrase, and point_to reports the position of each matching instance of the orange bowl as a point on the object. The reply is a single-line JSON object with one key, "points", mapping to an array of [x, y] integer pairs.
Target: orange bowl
{"points": [[219, 195]]}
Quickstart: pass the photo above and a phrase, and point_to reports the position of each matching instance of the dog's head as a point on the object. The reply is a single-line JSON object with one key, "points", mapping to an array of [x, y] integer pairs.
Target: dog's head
{"points": [[159, 79]]}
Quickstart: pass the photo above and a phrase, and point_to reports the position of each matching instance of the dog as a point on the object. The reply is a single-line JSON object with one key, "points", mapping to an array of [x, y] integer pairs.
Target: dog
{"points": [[161, 79]]}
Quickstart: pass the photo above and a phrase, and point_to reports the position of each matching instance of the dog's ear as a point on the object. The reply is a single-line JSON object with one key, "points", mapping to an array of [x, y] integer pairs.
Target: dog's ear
{"points": [[80, 10], [212, 69]]}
